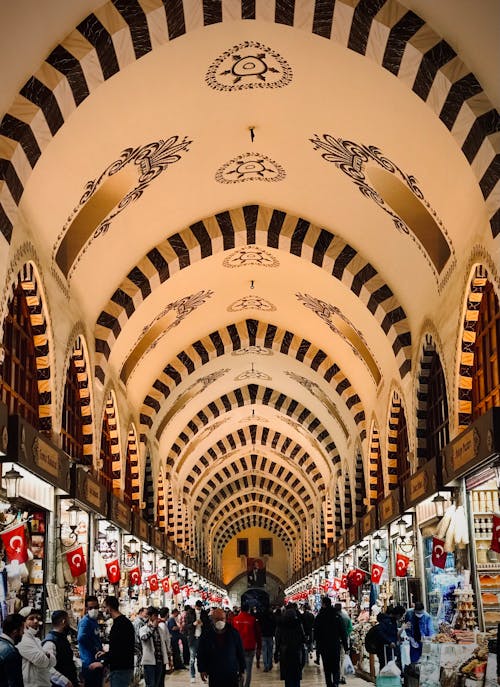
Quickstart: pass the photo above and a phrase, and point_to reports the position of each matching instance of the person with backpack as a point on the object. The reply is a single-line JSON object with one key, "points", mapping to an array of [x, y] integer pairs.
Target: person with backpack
{"points": [[56, 642]]}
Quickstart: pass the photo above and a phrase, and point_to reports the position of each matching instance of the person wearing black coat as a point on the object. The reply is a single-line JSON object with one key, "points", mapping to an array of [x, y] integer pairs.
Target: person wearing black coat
{"points": [[329, 630], [290, 648], [221, 659]]}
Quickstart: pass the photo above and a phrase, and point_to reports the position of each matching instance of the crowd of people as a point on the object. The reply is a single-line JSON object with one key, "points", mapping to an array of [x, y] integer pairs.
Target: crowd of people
{"points": [[221, 646]]}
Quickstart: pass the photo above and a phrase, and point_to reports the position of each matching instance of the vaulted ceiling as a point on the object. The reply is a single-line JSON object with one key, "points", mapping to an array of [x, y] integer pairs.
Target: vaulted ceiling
{"points": [[252, 207]]}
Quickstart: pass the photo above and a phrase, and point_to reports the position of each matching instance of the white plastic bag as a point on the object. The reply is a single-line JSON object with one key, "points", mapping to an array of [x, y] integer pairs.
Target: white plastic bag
{"points": [[405, 653], [348, 666], [390, 668]]}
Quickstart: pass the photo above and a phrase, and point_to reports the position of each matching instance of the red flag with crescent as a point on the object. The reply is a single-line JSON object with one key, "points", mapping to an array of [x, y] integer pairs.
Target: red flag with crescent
{"points": [[343, 581], [438, 553], [15, 544], [495, 534], [165, 583], [377, 571], [113, 571], [76, 561], [176, 588], [336, 584], [134, 576], [154, 585], [402, 563]]}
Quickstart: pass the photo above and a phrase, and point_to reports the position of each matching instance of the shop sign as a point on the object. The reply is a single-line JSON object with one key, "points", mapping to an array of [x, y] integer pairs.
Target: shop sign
{"points": [[119, 513], [157, 539], [37, 454], [473, 446], [140, 528], [421, 485], [352, 535], [340, 545], [389, 508], [368, 522], [89, 491]]}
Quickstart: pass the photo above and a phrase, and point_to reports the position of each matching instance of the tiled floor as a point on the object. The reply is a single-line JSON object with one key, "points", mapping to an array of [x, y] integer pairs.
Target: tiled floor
{"points": [[312, 677]]}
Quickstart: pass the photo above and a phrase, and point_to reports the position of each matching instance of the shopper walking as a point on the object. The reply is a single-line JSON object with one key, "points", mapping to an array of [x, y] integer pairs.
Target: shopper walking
{"points": [[37, 660], [267, 624], [197, 621], [154, 650], [11, 672], [247, 627], [175, 638], [120, 656], [330, 635], [348, 629], [163, 630], [221, 659], [290, 648], [56, 641], [89, 644], [139, 621], [307, 619]]}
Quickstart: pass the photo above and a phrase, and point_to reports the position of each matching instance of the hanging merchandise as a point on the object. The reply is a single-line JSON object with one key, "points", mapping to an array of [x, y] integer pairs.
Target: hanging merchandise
{"points": [[402, 563], [76, 561], [113, 571], [15, 543], [438, 553], [377, 571]]}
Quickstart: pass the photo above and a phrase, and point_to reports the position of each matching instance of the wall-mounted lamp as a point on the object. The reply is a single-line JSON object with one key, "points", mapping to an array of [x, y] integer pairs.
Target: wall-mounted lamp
{"points": [[405, 544], [379, 548], [439, 504], [110, 533], [133, 546], [12, 480]]}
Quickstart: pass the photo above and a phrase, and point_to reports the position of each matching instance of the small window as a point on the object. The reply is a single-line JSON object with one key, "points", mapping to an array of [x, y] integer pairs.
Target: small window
{"points": [[266, 547], [242, 547]]}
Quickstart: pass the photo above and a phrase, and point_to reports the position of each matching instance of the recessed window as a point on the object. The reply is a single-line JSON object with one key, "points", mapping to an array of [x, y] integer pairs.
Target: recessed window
{"points": [[242, 547], [266, 547]]}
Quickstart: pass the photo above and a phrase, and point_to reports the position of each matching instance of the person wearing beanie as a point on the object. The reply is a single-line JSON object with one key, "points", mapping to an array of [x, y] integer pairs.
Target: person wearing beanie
{"points": [[37, 661]]}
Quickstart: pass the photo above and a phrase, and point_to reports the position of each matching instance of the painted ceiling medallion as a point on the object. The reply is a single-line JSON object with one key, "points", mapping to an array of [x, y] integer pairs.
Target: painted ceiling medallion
{"points": [[109, 194], [397, 193], [251, 303], [253, 350], [206, 380], [343, 327], [246, 66], [252, 374], [250, 167], [250, 256]]}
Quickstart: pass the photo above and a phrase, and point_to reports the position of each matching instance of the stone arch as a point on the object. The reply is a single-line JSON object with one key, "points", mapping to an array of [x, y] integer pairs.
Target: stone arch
{"points": [[148, 491], [114, 34], [376, 465], [133, 458], [79, 355], [396, 408], [348, 512], [360, 486], [110, 412]]}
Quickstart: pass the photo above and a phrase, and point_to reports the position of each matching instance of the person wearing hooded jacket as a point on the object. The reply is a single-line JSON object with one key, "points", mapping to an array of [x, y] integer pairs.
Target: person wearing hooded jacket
{"points": [[37, 661]]}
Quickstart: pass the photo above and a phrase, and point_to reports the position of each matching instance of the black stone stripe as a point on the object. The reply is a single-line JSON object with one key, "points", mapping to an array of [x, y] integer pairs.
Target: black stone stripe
{"points": [[248, 9], [66, 63], [202, 352], [361, 24], [5, 225], [227, 230], [123, 299], [321, 246], [284, 13], [331, 372], [239, 397], [346, 255], [252, 327], [212, 12], [495, 224], [298, 236], [274, 229], [460, 91], [174, 10], [39, 94], [174, 374], [490, 177], [201, 234], [159, 263], [235, 337], [9, 175], [92, 29], [486, 124], [323, 18], [318, 359], [179, 247], [250, 213], [134, 15], [399, 36], [162, 388], [286, 342], [304, 346], [431, 63], [217, 342], [141, 281], [14, 128], [270, 335], [362, 277]]}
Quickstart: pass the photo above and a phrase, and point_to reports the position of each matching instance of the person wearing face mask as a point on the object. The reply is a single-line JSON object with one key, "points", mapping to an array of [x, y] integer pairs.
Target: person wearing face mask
{"points": [[89, 644], [221, 659], [63, 673], [11, 673], [418, 625], [37, 660]]}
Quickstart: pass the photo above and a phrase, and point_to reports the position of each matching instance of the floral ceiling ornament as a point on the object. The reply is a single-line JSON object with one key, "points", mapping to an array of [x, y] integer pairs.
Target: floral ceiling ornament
{"points": [[252, 374], [251, 303], [253, 350], [250, 256], [248, 65], [250, 167]]}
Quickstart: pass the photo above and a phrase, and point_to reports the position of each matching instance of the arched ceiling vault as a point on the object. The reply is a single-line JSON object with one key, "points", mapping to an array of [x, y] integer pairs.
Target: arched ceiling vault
{"points": [[248, 209]]}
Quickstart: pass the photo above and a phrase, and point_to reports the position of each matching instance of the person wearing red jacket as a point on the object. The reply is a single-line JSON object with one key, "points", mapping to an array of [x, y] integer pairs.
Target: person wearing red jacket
{"points": [[249, 631]]}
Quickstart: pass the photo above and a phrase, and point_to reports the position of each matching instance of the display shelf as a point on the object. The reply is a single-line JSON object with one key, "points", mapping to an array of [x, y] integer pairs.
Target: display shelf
{"points": [[485, 512]]}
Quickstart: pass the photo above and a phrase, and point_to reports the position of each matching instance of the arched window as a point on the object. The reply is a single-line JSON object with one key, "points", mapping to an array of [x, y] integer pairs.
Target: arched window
{"points": [[19, 372], [72, 421], [402, 447], [486, 370], [437, 425]]}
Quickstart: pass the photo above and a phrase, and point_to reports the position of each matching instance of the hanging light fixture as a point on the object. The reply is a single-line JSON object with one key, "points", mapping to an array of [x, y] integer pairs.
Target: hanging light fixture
{"points": [[133, 544], [110, 533], [12, 481], [401, 525], [439, 502], [73, 513]]}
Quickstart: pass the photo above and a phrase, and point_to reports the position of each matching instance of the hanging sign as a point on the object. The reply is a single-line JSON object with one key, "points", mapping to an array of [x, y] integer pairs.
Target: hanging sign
{"points": [[474, 446]]}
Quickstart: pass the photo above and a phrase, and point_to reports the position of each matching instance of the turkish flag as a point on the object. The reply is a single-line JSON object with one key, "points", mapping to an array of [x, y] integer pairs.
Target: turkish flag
{"points": [[153, 582], [113, 571], [15, 544], [377, 571], [76, 561], [343, 581], [165, 583], [439, 555], [355, 579], [134, 576], [402, 563], [336, 584], [495, 534], [325, 585], [176, 588]]}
